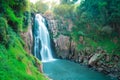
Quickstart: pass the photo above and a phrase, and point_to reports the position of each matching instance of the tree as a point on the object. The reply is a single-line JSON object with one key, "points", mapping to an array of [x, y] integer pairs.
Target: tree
{"points": [[13, 11], [41, 7]]}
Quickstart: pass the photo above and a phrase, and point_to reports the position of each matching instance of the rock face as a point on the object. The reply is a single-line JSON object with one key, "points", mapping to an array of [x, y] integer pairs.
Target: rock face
{"points": [[94, 59], [56, 28], [52, 23], [39, 65], [98, 59], [28, 38], [62, 44]]}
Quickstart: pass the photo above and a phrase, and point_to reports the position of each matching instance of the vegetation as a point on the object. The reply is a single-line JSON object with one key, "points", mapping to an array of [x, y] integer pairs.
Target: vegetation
{"points": [[3, 31], [14, 12], [15, 62], [96, 21], [39, 7]]}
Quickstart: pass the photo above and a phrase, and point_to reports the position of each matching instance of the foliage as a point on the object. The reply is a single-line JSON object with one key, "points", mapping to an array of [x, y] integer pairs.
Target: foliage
{"points": [[99, 12], [64, 10], [67, 1], [32, 8], [96, 20], [14, 11], [39, 7], [3, 30], [16, 64], [64, 13]]}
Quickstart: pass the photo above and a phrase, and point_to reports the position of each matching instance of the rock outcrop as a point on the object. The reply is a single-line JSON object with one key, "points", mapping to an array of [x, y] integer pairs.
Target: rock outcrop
{"points": [[52, 23], [94, 59], [62, 44], [28, 39], [98, 59], [39, 65], [58, 28]]}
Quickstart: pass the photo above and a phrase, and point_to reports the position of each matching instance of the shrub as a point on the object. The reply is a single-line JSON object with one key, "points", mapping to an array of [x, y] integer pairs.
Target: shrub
{"points": [[3, 30]]}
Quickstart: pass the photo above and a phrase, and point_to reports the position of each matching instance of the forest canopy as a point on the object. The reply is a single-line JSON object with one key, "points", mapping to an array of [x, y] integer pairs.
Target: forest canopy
{"points": [[97, 21]]}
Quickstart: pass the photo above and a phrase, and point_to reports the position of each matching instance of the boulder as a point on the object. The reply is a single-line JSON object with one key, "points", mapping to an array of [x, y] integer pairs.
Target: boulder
{"points": [[95, 58], [100, 69]]}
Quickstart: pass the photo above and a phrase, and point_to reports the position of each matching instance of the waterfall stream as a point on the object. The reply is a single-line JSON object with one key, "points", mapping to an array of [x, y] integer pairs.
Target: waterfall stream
{"points": [[42, 48], [57, 69]]}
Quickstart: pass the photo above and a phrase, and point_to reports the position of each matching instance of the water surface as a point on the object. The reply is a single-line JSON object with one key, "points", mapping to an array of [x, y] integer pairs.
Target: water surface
{"points": [[66, 70]]}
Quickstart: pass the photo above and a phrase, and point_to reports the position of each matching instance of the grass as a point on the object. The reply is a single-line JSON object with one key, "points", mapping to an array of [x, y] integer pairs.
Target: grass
{"points": [[16, 63], [106, 44], [110, 46]]}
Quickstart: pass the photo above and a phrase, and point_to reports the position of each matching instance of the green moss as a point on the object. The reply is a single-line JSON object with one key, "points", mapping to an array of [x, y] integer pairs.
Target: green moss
{"points": [[91, 43], [80, 47], [110, 46], [16, 63], [106, 44], [3, 30], [13, 20]]}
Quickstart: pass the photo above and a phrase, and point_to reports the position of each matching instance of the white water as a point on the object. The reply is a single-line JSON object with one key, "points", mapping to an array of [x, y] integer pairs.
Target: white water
{"points": [[42, 47], [59, 69]]}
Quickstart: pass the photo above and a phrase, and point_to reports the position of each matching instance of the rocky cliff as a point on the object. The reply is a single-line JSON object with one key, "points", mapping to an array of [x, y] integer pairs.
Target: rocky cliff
{"points": [[28, 39], [97, 58], [59, 30]]}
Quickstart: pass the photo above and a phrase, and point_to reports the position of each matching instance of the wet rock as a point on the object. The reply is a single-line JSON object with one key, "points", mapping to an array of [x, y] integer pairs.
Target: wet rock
{"points": [[99, 49], [119, 77], [108, 58], [100, 69], [85, 61], [81, 58], [94, 59], [116, 58], [87, 50], [112, 75]]}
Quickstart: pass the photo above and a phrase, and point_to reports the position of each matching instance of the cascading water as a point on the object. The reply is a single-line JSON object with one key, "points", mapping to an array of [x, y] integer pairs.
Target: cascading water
{"points": [[69, 70], [42, 49]]}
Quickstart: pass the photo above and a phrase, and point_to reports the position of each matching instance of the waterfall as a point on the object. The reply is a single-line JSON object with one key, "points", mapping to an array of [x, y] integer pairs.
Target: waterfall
{"points": [[42, 48]]}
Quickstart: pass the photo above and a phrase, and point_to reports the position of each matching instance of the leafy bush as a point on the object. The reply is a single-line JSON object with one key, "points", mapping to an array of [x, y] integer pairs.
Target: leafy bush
{"points": [[14, 64], [64, 10], [13, 11], [3, 30]]}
